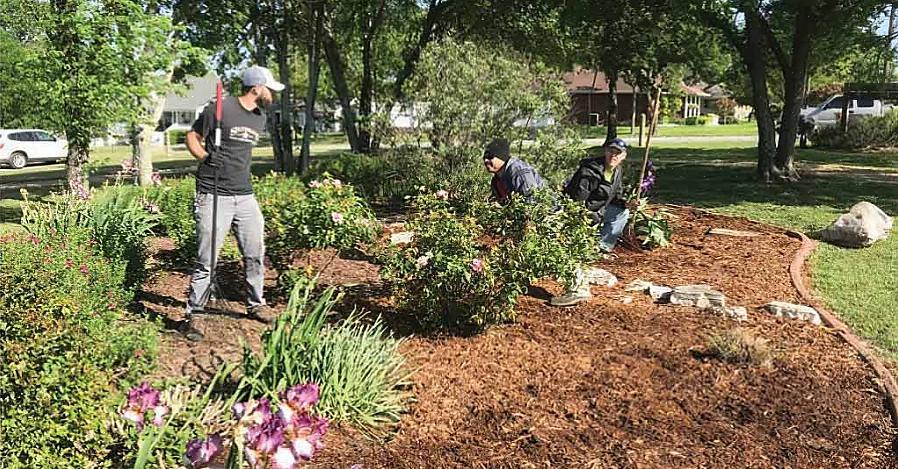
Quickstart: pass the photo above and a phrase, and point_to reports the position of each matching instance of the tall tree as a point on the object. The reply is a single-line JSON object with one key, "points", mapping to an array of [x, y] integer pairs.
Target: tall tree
{"points": [[97, 47]]}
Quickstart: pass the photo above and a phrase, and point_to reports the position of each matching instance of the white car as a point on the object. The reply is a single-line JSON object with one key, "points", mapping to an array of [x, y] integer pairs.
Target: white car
{"points": [[18, 147]]}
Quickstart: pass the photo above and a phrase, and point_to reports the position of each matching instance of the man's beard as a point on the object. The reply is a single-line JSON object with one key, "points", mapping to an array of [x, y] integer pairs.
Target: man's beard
{"points": [[263, 101]]}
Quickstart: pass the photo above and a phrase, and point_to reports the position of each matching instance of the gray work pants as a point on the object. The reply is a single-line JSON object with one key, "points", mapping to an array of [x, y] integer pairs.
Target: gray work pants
{"points": [[240, 214]]}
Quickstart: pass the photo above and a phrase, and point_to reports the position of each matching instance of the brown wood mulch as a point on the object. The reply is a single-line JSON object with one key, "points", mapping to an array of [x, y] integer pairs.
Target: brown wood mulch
{"points": [[618, 382]]}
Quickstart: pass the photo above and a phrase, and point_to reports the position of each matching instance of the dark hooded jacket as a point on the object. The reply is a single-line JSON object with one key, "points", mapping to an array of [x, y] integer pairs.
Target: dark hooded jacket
{"points": [[516, 177], [589, 185]]}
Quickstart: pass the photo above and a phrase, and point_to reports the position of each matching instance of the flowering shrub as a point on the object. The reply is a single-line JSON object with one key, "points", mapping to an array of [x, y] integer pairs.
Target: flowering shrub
{"points": [[63, 345], [325, 214], [448, 276], [552, 235]]}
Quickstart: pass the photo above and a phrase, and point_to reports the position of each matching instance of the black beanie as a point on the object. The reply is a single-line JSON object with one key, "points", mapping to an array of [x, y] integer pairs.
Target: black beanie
{"points": [[498, 148]]}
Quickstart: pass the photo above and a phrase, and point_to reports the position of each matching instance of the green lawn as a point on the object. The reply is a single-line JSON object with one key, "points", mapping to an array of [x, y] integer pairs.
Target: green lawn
{"points": [[730, 130], [859, 285]]}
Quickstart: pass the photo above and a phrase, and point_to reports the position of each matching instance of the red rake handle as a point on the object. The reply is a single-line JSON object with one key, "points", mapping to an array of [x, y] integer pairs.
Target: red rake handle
{"points": [[218, 114]]}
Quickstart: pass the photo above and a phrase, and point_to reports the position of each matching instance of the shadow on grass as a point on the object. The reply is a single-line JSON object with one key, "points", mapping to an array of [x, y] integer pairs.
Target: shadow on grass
{"points": [[723, 178]]}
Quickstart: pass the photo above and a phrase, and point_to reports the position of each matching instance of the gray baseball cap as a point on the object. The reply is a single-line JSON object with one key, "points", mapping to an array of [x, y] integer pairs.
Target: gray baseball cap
{"points": [[257, 75]]}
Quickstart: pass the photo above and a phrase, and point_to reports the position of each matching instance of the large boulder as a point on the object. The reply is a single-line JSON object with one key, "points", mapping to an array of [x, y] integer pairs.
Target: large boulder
{"points": [[862, 226]]}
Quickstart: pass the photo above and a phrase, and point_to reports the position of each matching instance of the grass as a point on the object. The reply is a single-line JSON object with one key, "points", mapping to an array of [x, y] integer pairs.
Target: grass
{"points": [[859, 285], [730, 130]]}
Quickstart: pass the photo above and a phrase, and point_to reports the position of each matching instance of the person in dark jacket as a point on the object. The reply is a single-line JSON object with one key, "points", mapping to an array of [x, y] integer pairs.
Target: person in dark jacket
{"points": [[597, 183], [510, 175]]}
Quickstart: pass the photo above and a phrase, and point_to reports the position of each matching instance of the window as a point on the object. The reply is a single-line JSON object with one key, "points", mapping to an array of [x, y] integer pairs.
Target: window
{"points": [[44, 137], [864, 102], [21, 136], [835, 103]]}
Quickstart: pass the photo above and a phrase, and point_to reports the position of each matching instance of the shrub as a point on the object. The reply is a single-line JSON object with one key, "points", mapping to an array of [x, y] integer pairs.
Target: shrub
{"points": [[175, 201], [652, 225], [327, 214], [62, 348], [868, 132], [450, 276], [120, 225], [388, 176], [356, 364], [553, 235], [740, 347], [177, 137], [469, 108]]}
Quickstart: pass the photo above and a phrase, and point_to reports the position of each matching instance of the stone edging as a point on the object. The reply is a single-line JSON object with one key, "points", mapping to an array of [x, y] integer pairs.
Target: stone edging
{"points": [[796, 273]]}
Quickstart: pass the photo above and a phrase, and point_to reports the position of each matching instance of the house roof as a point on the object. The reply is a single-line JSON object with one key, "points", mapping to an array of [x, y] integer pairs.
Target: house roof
{"points": [[199, 91], [592, 82]]}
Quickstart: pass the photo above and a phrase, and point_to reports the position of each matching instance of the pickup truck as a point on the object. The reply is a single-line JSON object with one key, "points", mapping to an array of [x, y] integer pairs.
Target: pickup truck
{"points": [[830, 113]]}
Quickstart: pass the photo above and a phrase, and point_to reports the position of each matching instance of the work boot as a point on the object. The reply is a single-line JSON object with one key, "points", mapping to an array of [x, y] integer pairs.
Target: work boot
{"points": [[189, 331], [261, 313]]}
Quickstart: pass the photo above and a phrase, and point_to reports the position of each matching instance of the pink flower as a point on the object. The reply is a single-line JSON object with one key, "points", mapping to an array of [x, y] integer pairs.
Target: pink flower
{"points": [[422, 261], [442, 194], [201, 453], [477, 265], [337, 217], [159, 412], [127, 165], [337, 183], [84, 270], [34, 239], [156, 178], [315, 184], [140, 400]]}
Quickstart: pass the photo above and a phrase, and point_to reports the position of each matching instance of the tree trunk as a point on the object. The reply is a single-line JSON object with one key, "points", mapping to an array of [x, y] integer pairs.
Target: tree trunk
{"points": [[794, 84], [611, 121], [890, 50], [434, 12], [314, 61], [286, 107], [337, 69], [77, 157], [366, 95], [261, 57], [753, 53]]}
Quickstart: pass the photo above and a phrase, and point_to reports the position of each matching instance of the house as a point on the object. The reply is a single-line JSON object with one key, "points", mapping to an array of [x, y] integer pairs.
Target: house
{"points": [[589, 94], [181, 110], [717, 93]]}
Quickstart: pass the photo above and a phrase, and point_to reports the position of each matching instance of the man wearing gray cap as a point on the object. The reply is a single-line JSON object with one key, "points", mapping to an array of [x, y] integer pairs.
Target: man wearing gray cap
{"points": [[242, 121]]}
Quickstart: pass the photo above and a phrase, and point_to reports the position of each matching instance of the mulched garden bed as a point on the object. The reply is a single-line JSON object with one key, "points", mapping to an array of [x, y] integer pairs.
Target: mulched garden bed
{"points": [[616, 382]]}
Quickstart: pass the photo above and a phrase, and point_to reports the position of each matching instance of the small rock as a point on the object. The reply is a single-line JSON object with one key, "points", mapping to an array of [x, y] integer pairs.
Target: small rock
{"points": [[403, 237], [660, 293], [626, 300], [792, 311], [601, 277], [738, 313], [701, 296], [862, 226], [638, 285]]}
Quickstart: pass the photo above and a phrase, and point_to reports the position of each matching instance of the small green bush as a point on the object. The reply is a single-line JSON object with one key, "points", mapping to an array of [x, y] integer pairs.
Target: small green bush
{"points": [[868, 132], [177, 137], [62, 345], [356, 364], [175, 202], [120, 225], [739, 346]]}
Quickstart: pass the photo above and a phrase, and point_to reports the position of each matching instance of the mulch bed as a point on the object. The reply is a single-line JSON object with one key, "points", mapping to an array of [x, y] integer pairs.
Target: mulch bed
{"points": [[616, 382]]}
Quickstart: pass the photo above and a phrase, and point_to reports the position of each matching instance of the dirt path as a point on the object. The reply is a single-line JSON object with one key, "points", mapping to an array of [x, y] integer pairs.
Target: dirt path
{"points": [[617, 382]]}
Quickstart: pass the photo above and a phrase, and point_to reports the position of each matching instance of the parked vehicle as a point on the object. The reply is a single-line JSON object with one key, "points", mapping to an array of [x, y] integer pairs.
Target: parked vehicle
{"points": [[19, 147], [830, 113]]}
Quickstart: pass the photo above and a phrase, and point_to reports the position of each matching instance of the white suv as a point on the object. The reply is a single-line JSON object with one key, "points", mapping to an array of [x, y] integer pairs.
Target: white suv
{"points": [[19, 147]]}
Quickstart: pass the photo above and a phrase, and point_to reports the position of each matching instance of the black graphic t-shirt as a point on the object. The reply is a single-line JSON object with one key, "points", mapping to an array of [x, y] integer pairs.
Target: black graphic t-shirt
{"points": [[240, 130]]}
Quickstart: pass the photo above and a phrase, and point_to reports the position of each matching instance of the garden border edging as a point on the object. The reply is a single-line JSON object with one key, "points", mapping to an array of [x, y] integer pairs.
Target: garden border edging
{"points": [[796, 271]]}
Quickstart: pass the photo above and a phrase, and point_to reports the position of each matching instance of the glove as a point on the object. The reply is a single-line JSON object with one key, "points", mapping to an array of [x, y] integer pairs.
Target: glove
{"points": [[214, 159]]}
